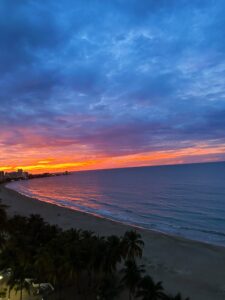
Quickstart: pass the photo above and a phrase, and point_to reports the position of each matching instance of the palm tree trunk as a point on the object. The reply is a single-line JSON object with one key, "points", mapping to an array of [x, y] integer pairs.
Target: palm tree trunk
{"points": [[89, 278], [60, 293], [130, 295], [21, 292], [78, 283]]}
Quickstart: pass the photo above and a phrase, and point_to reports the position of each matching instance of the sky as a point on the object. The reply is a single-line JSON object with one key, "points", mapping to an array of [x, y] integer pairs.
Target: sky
{"points": [[105, 84]]}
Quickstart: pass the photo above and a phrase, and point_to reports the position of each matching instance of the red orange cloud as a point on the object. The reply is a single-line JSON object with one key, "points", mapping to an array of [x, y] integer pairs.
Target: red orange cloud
{"points": [[35, 162]]}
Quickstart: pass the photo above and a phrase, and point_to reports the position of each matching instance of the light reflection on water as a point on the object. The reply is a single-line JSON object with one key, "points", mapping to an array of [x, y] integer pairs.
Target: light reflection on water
{"points": [[186, 200]]}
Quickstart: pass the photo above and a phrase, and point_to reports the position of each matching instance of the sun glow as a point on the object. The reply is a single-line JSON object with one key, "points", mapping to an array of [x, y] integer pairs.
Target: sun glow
{"points": [[201, 152]]}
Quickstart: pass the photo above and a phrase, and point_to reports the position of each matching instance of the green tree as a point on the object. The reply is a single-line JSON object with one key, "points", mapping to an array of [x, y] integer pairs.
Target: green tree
{"points": [[73, 264], [132, 245], [3, 292], [114, 253], [3, 224], [17, 280], [177, 297], [149, 290], [3, 214], [131, 276], [110, 288]]}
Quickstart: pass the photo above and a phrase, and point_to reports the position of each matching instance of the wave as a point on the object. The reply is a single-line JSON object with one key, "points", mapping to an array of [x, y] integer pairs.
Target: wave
{"points": [[191, 207], [213, 232]]}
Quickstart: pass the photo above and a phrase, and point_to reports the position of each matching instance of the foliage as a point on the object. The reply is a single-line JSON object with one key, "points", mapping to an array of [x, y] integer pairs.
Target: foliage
{"points": [[149, 290], [94, 267], [132, 276]]}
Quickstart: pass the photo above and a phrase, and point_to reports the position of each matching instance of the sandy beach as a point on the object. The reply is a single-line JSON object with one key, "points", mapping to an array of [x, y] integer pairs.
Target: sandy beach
{"points": [[195, 269]]}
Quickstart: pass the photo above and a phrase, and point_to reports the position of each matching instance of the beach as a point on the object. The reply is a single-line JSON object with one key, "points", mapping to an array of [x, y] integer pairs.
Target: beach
{"points": [[193, 268]]}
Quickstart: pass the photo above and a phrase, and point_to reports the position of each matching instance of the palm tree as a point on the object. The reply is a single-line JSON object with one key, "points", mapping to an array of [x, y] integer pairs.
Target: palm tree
{"points": [[72, 235], [17, 280], [110, 288], [73, 264], [41, 266], [149, 290], [3, 223], [177, 297], [132, 245], [20, 286], [113, 254], [3, 214], [52, 259], [35, 227], [87, 234], [16, 257], [18, 225], [35, 249], [3, 292], [131, 276]]}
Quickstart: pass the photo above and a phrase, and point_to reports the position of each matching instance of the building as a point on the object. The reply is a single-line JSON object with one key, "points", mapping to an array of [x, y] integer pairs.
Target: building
{"points": [[2, 176], [20, 174]]}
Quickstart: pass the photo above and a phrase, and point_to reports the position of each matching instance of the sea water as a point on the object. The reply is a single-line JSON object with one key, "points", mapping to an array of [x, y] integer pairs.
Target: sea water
{"points": [[182, 200]]}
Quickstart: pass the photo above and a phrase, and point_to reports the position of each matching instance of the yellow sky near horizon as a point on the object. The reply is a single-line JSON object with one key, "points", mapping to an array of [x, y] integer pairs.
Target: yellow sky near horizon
{"points": [[199, 153]]}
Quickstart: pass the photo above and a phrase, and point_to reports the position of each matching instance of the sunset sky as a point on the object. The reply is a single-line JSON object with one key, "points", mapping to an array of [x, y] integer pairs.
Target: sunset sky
{"points": [[102, 84]]}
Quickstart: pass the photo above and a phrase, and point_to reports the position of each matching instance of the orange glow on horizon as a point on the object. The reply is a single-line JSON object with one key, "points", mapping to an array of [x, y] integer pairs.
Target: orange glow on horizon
{"points": [[199, 153]]}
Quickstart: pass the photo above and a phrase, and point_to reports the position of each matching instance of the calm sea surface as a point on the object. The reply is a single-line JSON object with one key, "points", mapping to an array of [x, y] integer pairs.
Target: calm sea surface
{"points": [[183, 200]]}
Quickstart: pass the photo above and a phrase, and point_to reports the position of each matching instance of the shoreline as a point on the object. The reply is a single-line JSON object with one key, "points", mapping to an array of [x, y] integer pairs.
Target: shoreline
{"points": [[194, 268], [128, 225]]}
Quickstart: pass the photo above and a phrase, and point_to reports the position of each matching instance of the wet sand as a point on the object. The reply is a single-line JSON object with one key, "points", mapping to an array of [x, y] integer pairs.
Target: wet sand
{"points": [[195, 269]]}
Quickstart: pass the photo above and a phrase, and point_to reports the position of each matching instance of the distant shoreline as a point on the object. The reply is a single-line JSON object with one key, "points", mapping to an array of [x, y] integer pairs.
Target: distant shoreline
{"points": [[127, 224], [194, 267], [196, 225]]}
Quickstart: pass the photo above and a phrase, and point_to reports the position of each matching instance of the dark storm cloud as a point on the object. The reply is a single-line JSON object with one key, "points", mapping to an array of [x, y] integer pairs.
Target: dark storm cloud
{"points": [[118, 76]]}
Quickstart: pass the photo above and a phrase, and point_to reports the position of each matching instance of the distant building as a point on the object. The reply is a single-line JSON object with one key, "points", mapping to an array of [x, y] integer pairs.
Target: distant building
{"points": [[20, 174], [25, 175], [2, 176], [11, 175]]}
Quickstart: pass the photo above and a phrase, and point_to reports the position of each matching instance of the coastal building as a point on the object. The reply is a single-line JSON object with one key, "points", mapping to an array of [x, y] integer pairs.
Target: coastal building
{"points": [[20, 174], [2, 176], [11, 175]]}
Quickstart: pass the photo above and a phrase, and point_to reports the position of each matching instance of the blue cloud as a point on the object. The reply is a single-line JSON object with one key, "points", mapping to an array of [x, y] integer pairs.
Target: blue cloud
{"points": [[118, 76]]}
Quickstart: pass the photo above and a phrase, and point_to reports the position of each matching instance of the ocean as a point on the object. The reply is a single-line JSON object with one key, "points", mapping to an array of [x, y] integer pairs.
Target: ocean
{"points": [[181, 200]]}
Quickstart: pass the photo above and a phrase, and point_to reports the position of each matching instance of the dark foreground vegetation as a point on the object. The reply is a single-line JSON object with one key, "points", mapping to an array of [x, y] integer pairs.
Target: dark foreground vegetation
{"points": [[77, 263]]}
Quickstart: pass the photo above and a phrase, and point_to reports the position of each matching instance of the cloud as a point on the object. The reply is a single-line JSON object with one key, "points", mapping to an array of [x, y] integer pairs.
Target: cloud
{"points": [[119, 77]]}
